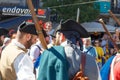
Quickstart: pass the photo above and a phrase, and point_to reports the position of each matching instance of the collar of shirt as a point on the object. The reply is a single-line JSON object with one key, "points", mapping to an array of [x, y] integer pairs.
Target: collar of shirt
{"points": [[64, 43], [14, 41], [87, 47]]}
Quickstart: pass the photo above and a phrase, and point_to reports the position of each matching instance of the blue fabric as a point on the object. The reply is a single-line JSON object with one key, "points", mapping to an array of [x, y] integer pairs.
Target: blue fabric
{"points": [[105, 70], [103, 60], [37, 62], [53, 64], [90, 50]]}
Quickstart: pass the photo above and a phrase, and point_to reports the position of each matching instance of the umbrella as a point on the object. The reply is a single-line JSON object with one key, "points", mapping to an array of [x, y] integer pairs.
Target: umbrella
{"points": [[97, 27]]}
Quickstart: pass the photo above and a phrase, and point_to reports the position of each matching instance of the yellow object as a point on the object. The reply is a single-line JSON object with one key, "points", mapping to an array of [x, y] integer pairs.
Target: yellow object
{"points": [[100, 53]]}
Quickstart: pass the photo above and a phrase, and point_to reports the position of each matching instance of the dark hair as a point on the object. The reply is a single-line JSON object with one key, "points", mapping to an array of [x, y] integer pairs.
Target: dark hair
{"points": [[72, 36], [27, 27], [44, 33]]}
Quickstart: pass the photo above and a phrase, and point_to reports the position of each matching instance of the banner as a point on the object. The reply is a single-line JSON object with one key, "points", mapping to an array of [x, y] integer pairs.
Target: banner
{"points": [[20, 8]]}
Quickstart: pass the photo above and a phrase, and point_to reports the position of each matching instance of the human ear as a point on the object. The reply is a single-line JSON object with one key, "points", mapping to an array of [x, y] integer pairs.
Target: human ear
{"points": [[28, 37], [62, 37]]}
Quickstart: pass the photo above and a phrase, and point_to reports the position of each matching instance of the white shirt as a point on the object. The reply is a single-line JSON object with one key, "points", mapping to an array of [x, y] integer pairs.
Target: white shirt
{"points": [[35, 51], [23, 65]]}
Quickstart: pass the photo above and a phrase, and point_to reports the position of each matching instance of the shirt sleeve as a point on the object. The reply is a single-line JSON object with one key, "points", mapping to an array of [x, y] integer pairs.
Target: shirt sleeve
{"points": [[24, 67]]}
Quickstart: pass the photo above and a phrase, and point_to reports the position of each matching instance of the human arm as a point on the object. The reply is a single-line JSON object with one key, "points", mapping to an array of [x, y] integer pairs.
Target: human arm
{"points": [[23, 66]]}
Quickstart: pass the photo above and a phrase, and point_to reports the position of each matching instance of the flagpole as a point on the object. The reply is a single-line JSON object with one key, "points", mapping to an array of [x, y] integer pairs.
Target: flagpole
{"points": [[114, 17], [37, 25], [103, 24], [78, 13]]}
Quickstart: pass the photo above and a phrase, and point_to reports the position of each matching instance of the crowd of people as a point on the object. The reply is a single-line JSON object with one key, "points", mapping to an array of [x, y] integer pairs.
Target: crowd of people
{"points": [[22, 56]]}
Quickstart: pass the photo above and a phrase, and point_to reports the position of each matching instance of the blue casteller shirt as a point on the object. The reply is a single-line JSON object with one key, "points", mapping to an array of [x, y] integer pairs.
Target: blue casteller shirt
{"points": [[90, 50]]}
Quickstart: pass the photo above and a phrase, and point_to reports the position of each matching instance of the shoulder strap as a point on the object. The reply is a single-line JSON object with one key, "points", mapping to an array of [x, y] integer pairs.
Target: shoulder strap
{"points": [[38, 47], [89, 49], [83, 62]]}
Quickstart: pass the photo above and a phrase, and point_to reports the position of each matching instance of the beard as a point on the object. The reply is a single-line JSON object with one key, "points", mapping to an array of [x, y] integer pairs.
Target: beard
{"points": [[1, 42], [29, 43], [57, 42]]}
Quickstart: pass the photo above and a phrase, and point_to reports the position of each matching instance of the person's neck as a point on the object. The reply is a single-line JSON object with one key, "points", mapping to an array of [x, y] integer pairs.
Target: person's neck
{"points": [[21, 42], [87, 46], [64, 43]]}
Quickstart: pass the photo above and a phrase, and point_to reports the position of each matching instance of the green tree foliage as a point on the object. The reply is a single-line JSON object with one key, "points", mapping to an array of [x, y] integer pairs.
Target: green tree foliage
{"points": [[67, 9]]}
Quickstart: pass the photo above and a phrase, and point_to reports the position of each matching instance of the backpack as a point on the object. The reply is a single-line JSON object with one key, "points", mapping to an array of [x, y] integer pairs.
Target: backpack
{"points": [[80, 75], [37, 61]]}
